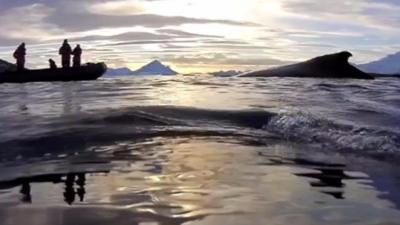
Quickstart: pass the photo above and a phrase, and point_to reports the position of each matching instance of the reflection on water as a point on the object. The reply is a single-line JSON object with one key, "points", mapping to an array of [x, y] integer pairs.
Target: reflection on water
{"points": [[74, 185], [26, 192], [204, 181], [328, 175], [329, 178]]}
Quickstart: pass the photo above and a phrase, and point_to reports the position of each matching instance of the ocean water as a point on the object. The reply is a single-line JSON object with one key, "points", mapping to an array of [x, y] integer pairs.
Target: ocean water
{"points": [[200, 150]]}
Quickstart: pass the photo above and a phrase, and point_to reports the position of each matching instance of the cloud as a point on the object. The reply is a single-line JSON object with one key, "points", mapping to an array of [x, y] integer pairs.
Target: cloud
{"points": [[180, 33], [117, 8], [365, 13], [158, 36], [251, 33], [82, 22], [222, 59], [28, 23], [40, 21], [145, 42], [128, 36]]}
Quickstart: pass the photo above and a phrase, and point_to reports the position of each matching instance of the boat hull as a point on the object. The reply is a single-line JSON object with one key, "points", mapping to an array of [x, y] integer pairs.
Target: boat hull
{"points": [[87, 72]]}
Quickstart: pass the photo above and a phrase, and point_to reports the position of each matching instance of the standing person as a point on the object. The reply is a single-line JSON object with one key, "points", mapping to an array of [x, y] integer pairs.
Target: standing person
{"points": [[19, 55], [76, 60], [65, 52]]}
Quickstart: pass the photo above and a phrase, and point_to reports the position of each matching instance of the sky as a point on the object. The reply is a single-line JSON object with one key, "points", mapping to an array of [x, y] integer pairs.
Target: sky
{"points": [[200, 35]]}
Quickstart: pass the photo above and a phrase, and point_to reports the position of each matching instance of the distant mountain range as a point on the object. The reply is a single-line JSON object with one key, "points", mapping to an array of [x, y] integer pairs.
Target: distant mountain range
{"points": [[153, 68], [118, 71], [387, 65]]}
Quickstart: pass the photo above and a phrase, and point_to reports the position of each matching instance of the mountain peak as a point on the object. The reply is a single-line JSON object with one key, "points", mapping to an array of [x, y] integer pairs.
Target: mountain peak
{"points": [[155, 67], [156, 61], [389, 64]]}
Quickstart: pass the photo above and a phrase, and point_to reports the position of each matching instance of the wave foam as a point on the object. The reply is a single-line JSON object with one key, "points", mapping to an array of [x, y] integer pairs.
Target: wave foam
{"points": [[309, 128]]}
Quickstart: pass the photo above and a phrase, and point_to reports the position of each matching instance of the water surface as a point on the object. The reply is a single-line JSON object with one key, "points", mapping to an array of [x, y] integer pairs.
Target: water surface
{"points": [[200, 150]]}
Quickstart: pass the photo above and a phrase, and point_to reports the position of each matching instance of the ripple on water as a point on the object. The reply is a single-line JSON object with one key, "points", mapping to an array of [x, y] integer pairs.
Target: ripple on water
{"points": [[206, 181], [156, 150]]}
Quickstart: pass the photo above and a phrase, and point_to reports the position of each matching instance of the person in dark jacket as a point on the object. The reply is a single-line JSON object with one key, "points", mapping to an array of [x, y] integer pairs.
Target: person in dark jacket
{"points": [[76, 60], [65, 52], [19, 55], [52, 64]]}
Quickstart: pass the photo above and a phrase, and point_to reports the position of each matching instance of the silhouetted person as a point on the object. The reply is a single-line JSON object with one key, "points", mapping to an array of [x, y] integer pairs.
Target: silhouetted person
{"points": [[76, 60], [69, 194], [80, 190], [65, 52], [26, 192], [52, 64], [19, 55]]}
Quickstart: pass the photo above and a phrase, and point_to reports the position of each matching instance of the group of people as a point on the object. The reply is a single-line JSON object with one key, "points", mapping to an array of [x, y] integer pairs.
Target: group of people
{"points": [[65, 52]]}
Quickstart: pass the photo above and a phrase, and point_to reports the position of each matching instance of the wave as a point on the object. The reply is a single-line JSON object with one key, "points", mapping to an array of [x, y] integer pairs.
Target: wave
{"points": [[306, 127], [187, 116], [208, 83], [76, 132], [341, 86]]}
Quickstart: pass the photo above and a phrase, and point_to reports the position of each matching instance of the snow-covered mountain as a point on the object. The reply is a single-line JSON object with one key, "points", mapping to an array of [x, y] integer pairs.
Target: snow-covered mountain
{"points": [[118, 71], [387, 65], [154, 68], [4, 65]]}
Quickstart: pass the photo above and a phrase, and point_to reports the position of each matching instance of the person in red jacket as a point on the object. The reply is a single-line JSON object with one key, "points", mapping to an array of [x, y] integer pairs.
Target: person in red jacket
{"points": [[19, 55], [76, 60], [65, 52]]}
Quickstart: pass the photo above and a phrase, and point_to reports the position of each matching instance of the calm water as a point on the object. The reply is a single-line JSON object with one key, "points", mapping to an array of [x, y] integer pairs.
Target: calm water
{"points": [[200, 150]]}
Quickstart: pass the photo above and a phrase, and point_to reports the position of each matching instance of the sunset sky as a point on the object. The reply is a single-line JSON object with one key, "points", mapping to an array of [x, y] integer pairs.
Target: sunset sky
{"points": [[200, 35]]}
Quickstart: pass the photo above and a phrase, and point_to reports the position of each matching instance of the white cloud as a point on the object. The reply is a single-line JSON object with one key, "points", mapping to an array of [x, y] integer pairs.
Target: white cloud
{"points": [[124, 7], [364, 13], [28, 22]]}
